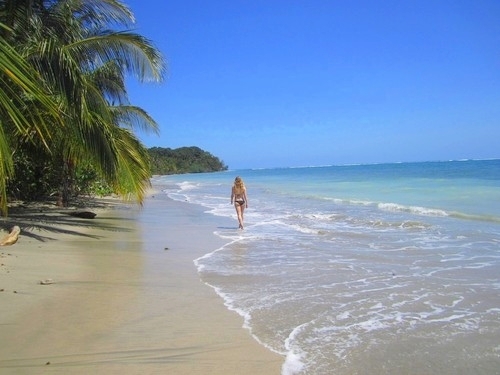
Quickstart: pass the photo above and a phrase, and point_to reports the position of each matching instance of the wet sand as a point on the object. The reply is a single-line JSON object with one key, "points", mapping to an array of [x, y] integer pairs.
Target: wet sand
{"points": [[122, 296]]}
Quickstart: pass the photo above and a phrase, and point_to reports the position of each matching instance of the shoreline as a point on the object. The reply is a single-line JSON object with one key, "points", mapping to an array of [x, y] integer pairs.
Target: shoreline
{"points": [[125, 296]]}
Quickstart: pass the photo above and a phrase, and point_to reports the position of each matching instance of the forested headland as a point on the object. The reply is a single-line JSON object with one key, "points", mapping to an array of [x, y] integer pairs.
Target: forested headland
{"points": [[183, 160]]}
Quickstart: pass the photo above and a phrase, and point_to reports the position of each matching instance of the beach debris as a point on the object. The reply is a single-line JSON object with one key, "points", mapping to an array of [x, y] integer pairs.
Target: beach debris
{"points": [[83, 214], [46, 282], [12, 237]]}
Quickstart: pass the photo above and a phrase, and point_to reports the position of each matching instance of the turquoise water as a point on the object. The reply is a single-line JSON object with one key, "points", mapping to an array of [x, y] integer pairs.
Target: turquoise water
{"points": [[380, 269]]}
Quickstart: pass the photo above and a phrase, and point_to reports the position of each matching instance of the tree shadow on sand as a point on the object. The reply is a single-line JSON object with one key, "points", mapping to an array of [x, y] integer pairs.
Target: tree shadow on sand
{"points": [[44, 221]]}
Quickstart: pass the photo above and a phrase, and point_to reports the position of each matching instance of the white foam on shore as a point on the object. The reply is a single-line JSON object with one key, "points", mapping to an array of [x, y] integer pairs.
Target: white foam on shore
{"points": [[294, 358], [425, 211]]}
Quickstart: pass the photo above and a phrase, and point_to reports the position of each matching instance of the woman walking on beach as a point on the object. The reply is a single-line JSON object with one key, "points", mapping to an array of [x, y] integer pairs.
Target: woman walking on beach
{"points": [[239, 196]]}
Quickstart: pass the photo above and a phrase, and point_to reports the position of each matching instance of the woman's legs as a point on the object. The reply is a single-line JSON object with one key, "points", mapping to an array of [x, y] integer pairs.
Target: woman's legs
{"points": [[239, 213]]}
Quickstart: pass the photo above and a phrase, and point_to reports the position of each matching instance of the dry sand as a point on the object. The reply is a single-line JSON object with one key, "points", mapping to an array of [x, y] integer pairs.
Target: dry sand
{"points": [[122, 296]]}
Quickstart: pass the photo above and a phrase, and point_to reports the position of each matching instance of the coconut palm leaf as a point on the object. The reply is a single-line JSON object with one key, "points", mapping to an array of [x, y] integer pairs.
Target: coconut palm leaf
{"points": [[133, 117], [25, 109], [134, 53]]}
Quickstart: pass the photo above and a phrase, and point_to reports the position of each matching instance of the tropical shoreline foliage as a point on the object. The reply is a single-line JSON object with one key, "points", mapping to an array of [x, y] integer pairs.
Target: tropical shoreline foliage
{"points": [[183, 160], [64, 107]]}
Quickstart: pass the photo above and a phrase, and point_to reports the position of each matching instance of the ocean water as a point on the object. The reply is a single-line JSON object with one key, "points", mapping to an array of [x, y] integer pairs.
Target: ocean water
{"points": [[363, 269]]}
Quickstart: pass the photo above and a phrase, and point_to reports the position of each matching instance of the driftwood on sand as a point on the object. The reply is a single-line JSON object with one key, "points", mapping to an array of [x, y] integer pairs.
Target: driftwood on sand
{"points": [[12, 237], [83, 214]]}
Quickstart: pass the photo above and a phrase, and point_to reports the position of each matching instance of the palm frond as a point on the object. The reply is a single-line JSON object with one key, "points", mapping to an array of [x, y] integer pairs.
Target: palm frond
{"points": [[96, 14], [24, 108], [133, 117], [133, 52], [134, 171]]}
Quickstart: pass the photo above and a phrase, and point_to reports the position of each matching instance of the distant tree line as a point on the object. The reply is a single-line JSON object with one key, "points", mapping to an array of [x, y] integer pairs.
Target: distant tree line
{"points": [[183, 160]]}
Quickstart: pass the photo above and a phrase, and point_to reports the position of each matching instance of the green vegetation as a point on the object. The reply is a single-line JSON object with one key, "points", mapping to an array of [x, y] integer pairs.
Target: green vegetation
{"points": [[183, 160], [65, 117]]}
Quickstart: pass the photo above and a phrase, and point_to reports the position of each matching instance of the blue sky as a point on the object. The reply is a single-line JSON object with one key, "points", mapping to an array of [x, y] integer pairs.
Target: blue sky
{"points": [[275, 83]]}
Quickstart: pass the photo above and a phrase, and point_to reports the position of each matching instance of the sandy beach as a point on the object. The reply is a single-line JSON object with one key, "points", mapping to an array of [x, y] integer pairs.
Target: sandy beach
{"points": [[119, 294]]}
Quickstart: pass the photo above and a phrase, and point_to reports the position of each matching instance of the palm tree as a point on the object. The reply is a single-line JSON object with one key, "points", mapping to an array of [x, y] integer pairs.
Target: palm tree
{"points": [[83, 64], [25, 109]]}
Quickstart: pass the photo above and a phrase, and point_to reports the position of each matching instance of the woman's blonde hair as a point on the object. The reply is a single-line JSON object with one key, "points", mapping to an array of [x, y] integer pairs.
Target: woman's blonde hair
{"points": [[238, 183]]}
